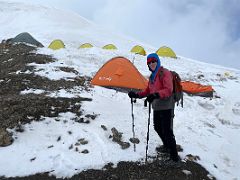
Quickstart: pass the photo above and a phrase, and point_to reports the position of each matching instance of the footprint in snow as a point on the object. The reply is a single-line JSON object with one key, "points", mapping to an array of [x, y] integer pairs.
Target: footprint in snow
{"points": [[206, 105], [236, 109]]}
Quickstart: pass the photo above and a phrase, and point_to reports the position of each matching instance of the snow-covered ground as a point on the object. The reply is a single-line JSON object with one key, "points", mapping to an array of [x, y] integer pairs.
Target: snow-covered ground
{"points": [[205, 127]]}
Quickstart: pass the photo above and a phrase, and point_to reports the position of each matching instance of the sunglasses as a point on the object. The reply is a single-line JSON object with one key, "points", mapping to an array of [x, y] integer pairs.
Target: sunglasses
{"points": [[151, 62]]}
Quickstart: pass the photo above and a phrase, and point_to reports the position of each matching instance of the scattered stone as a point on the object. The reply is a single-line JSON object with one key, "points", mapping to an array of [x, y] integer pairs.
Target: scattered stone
{"points": [[5, 138], [68, 69], [117, 137], [200, 76], [83, 141], [85, 151], [134, 140], [50, 146], [69, 132], [59, 138], [81, 120], [191, 157], [32, 159], [104, 127], [87, 121], [77, 144], [70, 147], [124, 145], [93, 116]]}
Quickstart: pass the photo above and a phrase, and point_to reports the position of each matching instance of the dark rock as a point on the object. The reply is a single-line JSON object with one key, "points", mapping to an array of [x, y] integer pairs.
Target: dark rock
{"points": [[134, 140], [104, 127], [85, 151], [124, 145], [117, 136], [191, 157], [83, 141]]}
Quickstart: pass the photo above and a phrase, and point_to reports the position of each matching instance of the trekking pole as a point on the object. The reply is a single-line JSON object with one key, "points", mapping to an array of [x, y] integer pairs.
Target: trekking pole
{"points": [[149, 114], [133, 131]]}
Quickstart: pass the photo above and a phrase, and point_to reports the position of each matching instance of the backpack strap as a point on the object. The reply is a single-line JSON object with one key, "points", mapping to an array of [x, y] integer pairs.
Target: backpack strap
{"points": [[161, 72]]}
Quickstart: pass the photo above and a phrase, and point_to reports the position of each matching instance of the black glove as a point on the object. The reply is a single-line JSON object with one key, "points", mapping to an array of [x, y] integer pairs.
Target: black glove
{"points": [[151, 97], [132, 94]]}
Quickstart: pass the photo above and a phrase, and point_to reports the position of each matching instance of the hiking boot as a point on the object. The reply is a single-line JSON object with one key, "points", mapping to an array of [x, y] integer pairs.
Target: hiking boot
{"points": [[162, 149], [175, 158], [179, 148], [172, 163]]}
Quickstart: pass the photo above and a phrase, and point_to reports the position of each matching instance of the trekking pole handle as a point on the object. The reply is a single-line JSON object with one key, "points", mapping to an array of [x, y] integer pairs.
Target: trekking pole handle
{"points": [[145, 103], [133, 100]]}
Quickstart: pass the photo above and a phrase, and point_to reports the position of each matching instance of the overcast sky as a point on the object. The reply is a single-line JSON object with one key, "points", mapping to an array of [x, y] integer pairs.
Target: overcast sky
{"points": [[206, 30]]}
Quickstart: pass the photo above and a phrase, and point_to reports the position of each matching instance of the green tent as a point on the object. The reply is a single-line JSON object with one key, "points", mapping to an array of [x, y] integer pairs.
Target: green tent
{"points": [[26, 38]]}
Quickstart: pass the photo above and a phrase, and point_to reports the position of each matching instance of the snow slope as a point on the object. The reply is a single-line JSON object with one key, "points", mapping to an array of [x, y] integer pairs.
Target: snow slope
{"points": [[39, 21], [205, 127]]}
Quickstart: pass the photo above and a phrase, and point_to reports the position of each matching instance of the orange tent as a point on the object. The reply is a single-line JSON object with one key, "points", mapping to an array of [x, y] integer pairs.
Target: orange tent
{"points": [[197, 89], [119, 72]]}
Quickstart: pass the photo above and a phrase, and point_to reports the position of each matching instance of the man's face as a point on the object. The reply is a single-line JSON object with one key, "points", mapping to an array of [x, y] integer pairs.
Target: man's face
{"points": [[152, 65]]}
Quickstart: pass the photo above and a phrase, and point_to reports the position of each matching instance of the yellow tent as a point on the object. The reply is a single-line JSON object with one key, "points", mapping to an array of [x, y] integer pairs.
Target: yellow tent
{"points": [[138, 50], [165, 51], [56, 44], [86, 45], [109, 47]]}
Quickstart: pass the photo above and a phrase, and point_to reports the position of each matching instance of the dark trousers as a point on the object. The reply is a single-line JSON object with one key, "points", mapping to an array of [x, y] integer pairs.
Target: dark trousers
{"points": [[163, 125]]}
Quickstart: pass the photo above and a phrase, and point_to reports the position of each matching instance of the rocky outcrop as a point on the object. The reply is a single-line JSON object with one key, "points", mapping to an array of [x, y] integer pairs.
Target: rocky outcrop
{"points": [[5, 138]]}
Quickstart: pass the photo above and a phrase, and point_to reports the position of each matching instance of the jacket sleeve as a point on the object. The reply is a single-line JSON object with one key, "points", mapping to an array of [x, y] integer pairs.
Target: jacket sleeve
{"points": [[144, 93], [167, 83]]}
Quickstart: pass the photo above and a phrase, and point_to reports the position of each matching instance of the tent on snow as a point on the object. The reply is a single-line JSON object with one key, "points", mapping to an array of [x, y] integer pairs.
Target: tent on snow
{"points": [[121, 73], [86, 45], [56, 44], [109, 47], [193, 88], [138, 50], [25, 37], [165, 51]]}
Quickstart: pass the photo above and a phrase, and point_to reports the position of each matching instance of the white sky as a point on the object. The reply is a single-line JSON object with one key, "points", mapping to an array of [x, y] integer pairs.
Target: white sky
{"points": [[204, 30]]}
